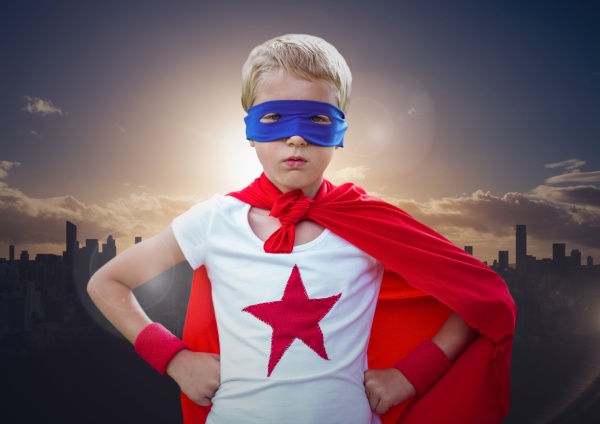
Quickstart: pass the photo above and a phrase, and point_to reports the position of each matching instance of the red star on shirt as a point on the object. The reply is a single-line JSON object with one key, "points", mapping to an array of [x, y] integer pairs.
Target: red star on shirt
{"points": [[295, 316]]}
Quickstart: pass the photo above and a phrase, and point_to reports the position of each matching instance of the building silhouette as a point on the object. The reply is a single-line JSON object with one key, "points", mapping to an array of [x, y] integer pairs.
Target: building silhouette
{"points": [[521, 248], [559, 257], [50, 291], [503, 260], [575, 260], [72, 246]]}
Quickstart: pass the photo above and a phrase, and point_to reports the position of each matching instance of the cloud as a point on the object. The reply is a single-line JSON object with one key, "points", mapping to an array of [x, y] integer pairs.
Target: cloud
{"points": [[569, 164], [41, 107], [552, 215], [35, 133], [581, 196], [5, 166], [481, 212], [575, 177], [31, 221]]}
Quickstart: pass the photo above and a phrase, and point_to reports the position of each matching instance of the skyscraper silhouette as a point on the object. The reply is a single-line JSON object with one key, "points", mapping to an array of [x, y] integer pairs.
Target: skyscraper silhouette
{"points": [[109, 249], [71, 250], [575, 262], [559, 256], [503, 260], [521, 248]]}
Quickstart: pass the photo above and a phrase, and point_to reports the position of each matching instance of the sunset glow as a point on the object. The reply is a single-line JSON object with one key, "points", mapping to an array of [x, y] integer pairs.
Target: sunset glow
{"points": [[150, 122]]}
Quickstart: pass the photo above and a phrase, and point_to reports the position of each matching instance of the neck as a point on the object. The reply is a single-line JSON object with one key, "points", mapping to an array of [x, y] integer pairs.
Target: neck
{"points": [[312, 191], [309, 191]]}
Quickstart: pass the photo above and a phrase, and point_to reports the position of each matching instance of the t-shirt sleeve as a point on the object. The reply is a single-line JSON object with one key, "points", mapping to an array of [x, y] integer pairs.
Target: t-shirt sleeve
{"points": [[191, 231]]}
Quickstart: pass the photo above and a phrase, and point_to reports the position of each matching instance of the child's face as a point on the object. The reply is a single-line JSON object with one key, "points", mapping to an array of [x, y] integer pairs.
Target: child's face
{"points": [[292, 163]]}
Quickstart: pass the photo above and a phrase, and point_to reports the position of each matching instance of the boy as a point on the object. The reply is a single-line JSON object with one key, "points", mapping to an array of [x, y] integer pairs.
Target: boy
{"points": [[292, 267]]}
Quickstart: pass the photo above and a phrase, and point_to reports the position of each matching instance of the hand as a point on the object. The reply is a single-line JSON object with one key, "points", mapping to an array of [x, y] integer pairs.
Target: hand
{"points": [[198, 375], [387, 388]]}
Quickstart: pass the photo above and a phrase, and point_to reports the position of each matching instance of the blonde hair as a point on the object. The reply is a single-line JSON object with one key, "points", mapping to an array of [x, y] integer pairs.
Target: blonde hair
{"points": [[303, 56]]}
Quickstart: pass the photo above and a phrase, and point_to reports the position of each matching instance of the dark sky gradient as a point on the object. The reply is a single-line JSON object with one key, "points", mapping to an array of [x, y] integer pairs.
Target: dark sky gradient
{"points": [[457, 108]]}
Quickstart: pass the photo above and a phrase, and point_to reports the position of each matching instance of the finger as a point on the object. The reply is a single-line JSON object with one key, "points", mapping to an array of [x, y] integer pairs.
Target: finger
{"points": [[373, 401], [204, 401], [367, 383], [382, 407]]}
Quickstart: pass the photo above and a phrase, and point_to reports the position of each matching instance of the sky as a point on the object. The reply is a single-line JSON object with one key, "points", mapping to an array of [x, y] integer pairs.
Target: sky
{"points": [[473, 116]]}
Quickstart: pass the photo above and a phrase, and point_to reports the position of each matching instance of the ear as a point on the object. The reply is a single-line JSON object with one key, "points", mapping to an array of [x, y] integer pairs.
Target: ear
{"points": [[251, 143]]}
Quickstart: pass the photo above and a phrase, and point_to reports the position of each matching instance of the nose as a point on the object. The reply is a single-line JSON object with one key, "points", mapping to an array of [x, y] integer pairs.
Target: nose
{"points": [[296, 141]]}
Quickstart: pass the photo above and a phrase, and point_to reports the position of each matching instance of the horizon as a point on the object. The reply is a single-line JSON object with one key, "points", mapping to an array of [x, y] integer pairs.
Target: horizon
{"points": [[512, 253]]}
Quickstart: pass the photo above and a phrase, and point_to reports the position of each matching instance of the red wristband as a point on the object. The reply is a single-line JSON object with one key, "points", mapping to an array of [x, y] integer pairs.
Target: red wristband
{"points": [[424, 366], [157, 346]]}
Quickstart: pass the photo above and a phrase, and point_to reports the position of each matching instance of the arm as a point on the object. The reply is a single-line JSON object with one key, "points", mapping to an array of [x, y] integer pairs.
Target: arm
{"points": [[454, 336], [110, 288], [389, 387]]}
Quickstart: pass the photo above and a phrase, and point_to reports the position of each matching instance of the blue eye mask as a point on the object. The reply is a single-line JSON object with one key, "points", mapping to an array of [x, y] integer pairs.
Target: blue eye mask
{"points": [[296, 118]]}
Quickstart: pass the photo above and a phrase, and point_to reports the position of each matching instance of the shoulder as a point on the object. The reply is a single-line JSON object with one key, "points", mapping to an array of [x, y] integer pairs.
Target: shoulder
{"points": [[217, 203], [217, 208]]}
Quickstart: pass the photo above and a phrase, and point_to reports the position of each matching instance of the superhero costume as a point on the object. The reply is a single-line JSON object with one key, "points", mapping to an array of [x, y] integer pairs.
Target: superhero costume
{"points": [[426, 278]]}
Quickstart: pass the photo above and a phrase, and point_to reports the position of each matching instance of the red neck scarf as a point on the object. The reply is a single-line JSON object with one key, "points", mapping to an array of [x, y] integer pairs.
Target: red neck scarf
{"points": [[426, 278]]}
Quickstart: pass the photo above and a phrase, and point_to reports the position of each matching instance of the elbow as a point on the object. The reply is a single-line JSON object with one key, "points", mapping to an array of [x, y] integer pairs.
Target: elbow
{"points": [[95, 284], [92, 287]]}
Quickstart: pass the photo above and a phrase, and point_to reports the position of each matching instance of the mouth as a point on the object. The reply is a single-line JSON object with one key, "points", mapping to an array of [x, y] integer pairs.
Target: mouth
{"points": [[295, 161]]}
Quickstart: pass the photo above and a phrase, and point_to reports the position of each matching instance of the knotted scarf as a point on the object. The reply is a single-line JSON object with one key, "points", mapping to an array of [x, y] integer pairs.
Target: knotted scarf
{"points": [[426, 278], [290, 208]]}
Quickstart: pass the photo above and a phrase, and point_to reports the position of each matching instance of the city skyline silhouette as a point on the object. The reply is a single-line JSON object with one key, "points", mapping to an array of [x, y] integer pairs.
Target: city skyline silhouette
{"points": [[44, 307], [522, 258]]}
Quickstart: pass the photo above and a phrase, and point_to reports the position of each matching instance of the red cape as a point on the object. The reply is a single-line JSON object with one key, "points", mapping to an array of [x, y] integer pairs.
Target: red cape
{"points": [[427, 277]]}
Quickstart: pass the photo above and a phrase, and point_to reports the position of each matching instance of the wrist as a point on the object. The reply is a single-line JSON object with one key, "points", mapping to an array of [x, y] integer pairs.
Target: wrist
{"points": [[158, 346], [425, 365], [176, 365]]}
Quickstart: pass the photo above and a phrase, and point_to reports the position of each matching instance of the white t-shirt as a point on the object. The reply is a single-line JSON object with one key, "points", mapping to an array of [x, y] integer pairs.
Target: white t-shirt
{"points": [[293, 328]]}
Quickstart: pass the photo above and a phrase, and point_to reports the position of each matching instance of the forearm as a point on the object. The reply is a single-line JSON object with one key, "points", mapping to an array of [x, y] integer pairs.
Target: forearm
{"points": [[422, 367], [111, 287], [119, 305], [454, 336]]}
